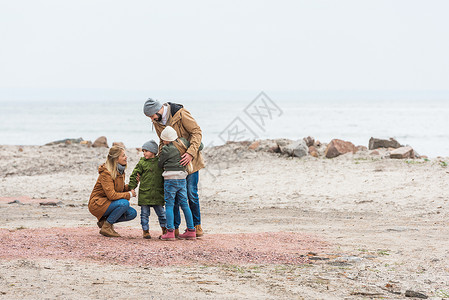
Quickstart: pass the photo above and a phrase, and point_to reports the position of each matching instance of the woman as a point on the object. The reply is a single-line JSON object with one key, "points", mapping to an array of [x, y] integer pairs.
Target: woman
{"points": [[109, 201]]}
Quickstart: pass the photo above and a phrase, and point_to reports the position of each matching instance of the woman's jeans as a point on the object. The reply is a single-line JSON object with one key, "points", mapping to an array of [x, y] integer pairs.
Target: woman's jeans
{"points": [[176, 189], [194, 201], [145, 215], [119, 211]]}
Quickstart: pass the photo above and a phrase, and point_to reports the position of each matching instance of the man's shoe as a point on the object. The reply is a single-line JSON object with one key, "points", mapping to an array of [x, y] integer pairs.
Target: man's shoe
{"points": [[176, 232], [146, 234]]}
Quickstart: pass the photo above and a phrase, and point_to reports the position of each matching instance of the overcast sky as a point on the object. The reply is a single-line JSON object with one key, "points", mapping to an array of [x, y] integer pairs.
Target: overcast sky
{"points": [[253, 45]]}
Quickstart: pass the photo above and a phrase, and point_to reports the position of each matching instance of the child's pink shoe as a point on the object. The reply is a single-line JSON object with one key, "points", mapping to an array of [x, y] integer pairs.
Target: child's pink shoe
{"points": [[169, 236], [189, 234]]}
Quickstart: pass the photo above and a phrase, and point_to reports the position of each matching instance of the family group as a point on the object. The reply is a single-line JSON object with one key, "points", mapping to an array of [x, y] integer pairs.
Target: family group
{"points": [[167, 174]]}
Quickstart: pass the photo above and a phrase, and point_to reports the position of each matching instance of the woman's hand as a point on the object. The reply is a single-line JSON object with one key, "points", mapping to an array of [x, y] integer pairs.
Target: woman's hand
{"points": [[133, 192]]}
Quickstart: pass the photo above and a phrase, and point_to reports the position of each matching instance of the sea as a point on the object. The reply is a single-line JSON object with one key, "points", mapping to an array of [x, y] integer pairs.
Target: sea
{"points": [[422, 124]]}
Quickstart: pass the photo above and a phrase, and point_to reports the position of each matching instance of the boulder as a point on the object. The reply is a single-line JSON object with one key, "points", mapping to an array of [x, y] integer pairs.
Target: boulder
{"points": [[361, 148], [309, 141], [338, 147], [403, 152], [102, 141], [375, 143], [296, 148], [120, 144]]}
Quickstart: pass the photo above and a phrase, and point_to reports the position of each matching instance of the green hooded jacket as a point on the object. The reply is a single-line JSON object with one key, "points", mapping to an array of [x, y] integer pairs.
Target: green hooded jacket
{"points": [[151, 189]]}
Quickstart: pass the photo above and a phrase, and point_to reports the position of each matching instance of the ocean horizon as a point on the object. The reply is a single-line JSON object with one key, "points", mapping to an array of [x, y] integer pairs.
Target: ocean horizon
{"points": [[422, 124]]}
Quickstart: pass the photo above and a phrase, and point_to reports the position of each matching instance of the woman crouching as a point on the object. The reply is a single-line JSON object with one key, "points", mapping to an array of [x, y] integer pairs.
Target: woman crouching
{"points": [[109, 201]]}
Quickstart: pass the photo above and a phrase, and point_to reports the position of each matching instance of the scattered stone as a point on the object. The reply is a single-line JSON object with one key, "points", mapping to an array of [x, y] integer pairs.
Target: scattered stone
{"points": [[254, 145], [413, 294], [350, 259], [375, 143], [283, 142], [403, 152], [20, 149], [65, 141], [338, 264], [318, 258], [338, 147], [271, 147], [119, 144], [313, 151], [361, 148], [102, 141], [374, 152], [317, 144], [367, 294], [50, 203], [86, 143], [310, 141], [15, 202]]}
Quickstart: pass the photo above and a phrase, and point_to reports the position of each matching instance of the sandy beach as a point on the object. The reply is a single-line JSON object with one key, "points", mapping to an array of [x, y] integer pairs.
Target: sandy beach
{"points": [[358, 226]]}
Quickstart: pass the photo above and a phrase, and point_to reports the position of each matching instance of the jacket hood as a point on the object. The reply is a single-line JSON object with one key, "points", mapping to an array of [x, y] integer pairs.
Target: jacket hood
{"points": [[102, 169]]}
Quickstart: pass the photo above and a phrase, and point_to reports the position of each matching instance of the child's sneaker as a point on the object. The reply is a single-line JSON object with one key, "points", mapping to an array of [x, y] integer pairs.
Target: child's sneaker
{"points": [[146, 234], [169, 236], [189, 234]]}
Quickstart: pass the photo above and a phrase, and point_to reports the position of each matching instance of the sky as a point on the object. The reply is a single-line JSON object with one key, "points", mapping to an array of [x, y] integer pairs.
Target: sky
{"points": [[96, 48]]}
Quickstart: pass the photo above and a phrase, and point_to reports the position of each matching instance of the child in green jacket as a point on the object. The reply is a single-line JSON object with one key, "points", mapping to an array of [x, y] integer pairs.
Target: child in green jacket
{"points": [[151, 189]]}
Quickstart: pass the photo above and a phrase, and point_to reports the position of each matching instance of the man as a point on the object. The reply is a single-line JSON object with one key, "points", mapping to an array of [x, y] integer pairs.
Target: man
{"points": [[176, 116]]}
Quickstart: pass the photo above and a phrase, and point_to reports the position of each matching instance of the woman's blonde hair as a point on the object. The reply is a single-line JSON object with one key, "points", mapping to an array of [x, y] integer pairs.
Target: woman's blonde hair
{"points": [[111, 161]]}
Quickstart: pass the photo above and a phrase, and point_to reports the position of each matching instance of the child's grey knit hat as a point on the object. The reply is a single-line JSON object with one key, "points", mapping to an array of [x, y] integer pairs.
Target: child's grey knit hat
{"points": [[151, 146]]}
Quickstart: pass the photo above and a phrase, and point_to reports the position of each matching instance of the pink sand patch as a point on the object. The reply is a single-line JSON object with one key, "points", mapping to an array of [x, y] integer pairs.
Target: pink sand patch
{"points": [[25, 200], [131, 248]]}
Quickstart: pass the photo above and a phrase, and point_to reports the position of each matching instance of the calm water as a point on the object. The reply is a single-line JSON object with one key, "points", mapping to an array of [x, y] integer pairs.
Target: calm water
{"points": [[421, 124]]}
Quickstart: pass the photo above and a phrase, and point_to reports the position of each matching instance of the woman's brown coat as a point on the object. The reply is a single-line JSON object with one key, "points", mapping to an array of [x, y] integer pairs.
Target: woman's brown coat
{"points": [[107, 190]]}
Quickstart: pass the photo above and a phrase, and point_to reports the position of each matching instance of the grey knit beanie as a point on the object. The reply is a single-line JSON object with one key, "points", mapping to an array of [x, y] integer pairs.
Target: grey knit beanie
{"points": [[151, 146], [151, 107], [169, 134]]}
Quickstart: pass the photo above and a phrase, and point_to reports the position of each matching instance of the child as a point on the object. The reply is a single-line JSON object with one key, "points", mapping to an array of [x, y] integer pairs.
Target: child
{"points": [[151, 190], [175, 183]]}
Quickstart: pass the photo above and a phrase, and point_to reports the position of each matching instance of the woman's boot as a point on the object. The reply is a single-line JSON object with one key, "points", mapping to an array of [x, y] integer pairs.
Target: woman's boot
{"points": [[108, 230]]}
